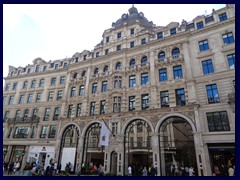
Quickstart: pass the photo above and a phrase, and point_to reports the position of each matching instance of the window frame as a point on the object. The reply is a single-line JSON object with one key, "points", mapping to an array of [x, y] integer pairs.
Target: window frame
{"points": [[163, 76], [177, 73], [180, 97], [212, 92], [207, 67], [216, 125], [144, 79], [203, 45]]}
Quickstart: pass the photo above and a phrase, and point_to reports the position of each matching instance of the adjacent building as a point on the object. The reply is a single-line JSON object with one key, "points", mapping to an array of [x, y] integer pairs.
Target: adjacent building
{"points": [[166, 93]]}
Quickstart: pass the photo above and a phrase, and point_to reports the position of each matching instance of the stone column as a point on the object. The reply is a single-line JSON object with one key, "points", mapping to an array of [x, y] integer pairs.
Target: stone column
{"points": [[155, 153], [188, 75], [154, 101], [202, 165], [24, 158]]}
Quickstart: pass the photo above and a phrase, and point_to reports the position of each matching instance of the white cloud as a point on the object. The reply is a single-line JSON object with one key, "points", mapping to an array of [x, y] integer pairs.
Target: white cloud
{"points": [[62, 30]]}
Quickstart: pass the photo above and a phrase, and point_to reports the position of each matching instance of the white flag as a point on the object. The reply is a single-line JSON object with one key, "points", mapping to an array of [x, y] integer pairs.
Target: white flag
{"points": [[104, 135]]}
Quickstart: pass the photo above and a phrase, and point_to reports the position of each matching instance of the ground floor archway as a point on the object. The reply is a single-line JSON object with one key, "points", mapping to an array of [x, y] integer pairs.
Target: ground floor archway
{"points": [[137, 146], [92, 155], [176, 147], [69, 149]]}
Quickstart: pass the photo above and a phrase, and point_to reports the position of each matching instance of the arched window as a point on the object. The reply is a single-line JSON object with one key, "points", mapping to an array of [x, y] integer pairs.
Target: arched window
{"points": [[83, 74], [161, 55], [132, 63], [96, 71], [75, 75], [175, 52], [12, 73], [19, 72], [144, 60], [105, 69], [118, 66]]}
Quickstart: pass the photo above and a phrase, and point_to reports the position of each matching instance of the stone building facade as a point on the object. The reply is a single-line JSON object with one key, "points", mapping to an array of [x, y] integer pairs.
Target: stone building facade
{"points": [[167, 95]]}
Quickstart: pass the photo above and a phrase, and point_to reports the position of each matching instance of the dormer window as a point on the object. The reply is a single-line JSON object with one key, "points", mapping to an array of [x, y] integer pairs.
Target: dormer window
{"points": [[84, 57], [19, 72], [76, 59], [173, 31], [44, 68], [132, 31], [107, 39], [56, 66], [143, 41], [119, 35], [160, 35], [37, 68], [97, 54], [200, 25], [65, 65], [28, 71], [11, 73], [222, 17]]}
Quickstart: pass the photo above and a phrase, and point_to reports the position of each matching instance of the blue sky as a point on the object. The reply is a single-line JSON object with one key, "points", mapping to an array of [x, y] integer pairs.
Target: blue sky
{"points": [[55, 31]]}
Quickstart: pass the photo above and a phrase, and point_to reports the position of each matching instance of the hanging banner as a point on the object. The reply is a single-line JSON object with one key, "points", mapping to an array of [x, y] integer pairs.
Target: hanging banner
{"points": [[104, 135]]}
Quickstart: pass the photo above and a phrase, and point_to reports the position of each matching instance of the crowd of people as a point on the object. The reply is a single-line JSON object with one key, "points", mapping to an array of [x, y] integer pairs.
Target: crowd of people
{"points": [[134, 170], [224, 170], [53, 169], [174, 170]]}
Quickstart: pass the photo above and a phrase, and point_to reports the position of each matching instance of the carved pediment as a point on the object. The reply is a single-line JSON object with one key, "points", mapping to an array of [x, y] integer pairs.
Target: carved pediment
{"points": [[38, 61]]}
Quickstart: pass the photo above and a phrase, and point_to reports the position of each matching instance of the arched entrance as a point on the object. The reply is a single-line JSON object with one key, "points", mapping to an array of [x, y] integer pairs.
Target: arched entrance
{"points": [[68, 148], [176, 146], [92, 153], [113, 165], [137, 146]]}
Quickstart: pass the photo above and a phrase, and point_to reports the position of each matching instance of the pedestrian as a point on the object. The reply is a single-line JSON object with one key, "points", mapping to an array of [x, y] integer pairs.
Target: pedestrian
{"points": [[173, 170], [17, 166], [129, 170], [83, 168], [231, 171], [100, 170], [144, 171], [153, 171], [187, 170], [224, 170], [55, 168], [10, 168], [191, 171], [216, 170]]}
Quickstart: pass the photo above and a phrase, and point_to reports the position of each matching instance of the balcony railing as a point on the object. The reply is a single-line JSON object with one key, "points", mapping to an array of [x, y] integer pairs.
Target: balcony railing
{"points": [[23, 120], [176, 57]]}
